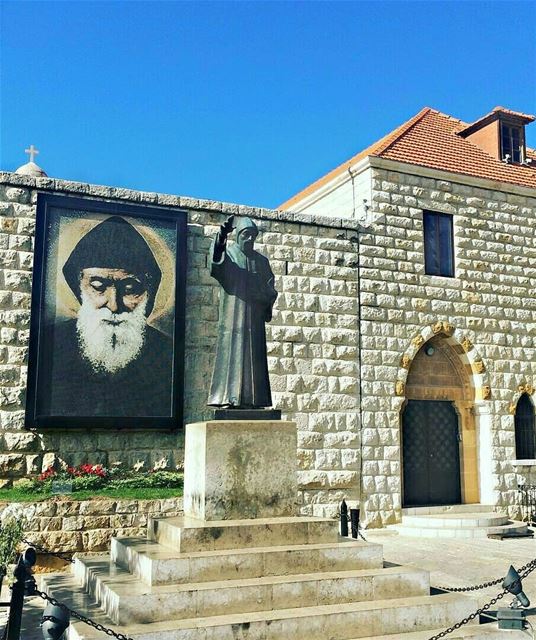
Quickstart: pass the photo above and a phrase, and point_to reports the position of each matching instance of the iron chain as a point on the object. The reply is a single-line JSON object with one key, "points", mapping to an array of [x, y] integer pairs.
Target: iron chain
{"points": [[58, 554], [82, 618], [475, 587], [470, 617], [492, 583], [523, 573]]}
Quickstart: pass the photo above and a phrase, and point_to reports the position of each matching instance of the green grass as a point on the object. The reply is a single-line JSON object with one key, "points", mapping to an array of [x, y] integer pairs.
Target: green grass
{"points": [[124, 493]]}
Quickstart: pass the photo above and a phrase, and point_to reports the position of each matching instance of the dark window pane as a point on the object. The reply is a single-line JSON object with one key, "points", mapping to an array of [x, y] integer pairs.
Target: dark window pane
{"points": [[438, 244], [431, 254], [524, 428], [445, 246], [516, 155]]}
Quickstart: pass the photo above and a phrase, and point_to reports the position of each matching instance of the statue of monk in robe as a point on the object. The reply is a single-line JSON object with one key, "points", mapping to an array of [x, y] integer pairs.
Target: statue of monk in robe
{"points": [[240, 377]]}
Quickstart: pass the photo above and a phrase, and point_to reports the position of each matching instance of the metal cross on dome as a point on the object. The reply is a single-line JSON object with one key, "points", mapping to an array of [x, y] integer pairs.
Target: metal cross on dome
{"points": [[32, 151]]}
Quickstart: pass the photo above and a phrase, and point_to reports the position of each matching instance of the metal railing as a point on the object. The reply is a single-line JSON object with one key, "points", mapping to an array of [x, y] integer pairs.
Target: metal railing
{"points": [[527, 502]]}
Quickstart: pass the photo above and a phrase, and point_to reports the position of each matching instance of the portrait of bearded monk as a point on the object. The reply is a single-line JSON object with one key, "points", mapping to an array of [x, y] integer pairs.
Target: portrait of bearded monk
{"points": [[109, 361]]}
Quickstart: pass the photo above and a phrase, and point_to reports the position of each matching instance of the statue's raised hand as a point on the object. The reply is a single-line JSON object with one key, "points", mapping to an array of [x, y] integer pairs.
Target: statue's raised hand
{"points": [[226, 227]]}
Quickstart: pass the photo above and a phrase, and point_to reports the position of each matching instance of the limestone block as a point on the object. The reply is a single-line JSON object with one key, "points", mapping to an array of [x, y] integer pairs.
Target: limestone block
{"points": [[68, 508], [20, 441], [126, 506], [46, 508], [73, 523], [61, 540], [17, 194], [48, 524], [240, 469], [100, 507], [312, 479], [96, 539], [33, 464], [12, 464]]}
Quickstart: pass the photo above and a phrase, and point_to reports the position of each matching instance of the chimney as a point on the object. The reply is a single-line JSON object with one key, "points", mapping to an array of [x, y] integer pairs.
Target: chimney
{"points": [[501, 133]]}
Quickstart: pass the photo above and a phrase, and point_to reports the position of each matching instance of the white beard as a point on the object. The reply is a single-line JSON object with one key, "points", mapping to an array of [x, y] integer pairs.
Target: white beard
{"points": [[110, 347]]}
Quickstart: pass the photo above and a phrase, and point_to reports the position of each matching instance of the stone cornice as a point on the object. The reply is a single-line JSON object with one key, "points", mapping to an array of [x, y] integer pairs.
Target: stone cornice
{"points": [[81, 189]]}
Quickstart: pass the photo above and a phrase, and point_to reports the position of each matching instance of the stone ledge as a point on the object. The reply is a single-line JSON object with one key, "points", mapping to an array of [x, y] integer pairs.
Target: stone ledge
{"points": [[143, 197]]}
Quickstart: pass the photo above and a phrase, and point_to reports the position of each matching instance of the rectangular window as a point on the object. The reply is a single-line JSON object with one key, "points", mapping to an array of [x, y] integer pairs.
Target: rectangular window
{"points": [[438, 244], [512, 143]]}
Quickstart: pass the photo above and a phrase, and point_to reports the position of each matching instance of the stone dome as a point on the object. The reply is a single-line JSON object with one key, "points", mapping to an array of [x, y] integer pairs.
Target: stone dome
{"points": [[31, 169]]}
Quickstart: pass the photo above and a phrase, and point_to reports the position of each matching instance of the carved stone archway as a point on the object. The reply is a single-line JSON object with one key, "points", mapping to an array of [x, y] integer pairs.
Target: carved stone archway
{"points": [[455, 373]]}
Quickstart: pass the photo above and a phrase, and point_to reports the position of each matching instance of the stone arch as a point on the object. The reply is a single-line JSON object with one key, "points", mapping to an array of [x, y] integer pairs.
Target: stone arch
{"points": [[461, 379], [461, 344], [524, 387]]}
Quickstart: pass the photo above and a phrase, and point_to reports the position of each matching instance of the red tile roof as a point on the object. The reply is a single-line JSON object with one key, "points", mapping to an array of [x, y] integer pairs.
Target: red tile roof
{"points": [[430, 139]]}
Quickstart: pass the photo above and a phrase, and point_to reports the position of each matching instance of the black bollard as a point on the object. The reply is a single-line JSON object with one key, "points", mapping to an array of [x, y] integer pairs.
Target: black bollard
{"points": [[54, 622], [22, 575], [344, 519], [354, 521]]}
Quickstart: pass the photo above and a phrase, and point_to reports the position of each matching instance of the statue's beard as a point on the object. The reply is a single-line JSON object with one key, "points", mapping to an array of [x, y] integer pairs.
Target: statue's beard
{"points": [[110, 341]]}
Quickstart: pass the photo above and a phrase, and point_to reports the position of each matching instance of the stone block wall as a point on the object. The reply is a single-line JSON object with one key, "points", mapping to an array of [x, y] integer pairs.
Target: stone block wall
{"points": [[88, 525], [488, 309], [312, 340]]}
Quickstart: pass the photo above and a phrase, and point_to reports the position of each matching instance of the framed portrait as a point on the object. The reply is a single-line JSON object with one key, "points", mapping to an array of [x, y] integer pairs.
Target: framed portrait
{"points": [[107, 316]]}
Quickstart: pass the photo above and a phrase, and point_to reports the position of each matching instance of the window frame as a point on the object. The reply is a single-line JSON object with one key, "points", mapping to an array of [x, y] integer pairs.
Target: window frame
{"points": [[438, 259], [510, 127], [525, 429]]}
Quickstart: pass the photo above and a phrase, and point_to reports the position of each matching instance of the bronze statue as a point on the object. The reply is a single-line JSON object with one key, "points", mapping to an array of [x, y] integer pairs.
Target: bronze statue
{"points": [[240, 377]]}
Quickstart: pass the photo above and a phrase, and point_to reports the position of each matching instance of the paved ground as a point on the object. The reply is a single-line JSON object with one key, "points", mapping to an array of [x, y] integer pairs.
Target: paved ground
{"points": [[452, 563], [458, 562]]}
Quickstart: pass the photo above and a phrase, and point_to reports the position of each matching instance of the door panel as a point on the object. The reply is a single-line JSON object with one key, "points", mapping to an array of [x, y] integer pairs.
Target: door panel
{"points": [[431, 455]]}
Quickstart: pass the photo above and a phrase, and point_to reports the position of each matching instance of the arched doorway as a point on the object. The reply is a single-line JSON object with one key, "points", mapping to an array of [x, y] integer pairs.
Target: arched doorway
{"points": [[439, 459]]}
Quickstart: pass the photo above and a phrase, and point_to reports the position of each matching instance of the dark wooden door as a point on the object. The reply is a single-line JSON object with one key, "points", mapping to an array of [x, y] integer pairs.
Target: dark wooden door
{"points": [[431, 454]]}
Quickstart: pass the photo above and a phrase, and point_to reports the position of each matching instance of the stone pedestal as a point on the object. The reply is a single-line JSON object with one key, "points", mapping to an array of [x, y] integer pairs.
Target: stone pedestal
{"points": [[240, 469]]}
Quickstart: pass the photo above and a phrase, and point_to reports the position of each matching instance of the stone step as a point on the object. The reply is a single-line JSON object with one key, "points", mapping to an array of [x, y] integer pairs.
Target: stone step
{"points": [[156, 564], [448, 508], [457, 520], [462, 532], [188, 534], [473, 632], [333, 622], [126, 599]]}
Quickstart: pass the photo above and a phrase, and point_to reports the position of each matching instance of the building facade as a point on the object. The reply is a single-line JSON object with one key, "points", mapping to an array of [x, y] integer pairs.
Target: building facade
{"points": [[402, 342], [447, 263], [312, 340]]}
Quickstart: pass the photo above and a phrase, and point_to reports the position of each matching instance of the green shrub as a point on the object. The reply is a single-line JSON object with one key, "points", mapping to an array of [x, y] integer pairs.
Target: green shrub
{"points": [[157, 479], [86, 483], [11, 534]]}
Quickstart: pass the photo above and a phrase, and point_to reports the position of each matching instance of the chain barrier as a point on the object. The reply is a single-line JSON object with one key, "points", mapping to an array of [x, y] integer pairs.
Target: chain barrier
{"points": [[523, 573], [58, 554], [79, 616], [470, 617], [492, 583]]}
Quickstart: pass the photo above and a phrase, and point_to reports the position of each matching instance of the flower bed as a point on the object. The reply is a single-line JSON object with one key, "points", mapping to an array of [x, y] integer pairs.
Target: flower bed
{"points": [[89, 477], [69, 524]]}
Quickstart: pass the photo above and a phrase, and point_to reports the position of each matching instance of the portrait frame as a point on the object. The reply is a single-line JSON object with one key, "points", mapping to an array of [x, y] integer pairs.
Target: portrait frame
{"points": [[158, 235]]}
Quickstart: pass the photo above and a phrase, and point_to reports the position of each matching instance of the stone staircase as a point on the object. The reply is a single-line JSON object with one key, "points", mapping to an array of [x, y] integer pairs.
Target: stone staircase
{"points": [[458, 521], [265, 579]]}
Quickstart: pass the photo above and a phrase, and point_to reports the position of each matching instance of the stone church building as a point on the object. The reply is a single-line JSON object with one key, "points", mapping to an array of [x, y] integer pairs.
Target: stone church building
{"points": [[402, 341]]}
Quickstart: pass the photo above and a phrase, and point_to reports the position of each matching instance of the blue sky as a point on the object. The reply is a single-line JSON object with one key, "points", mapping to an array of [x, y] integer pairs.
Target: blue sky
{"points": [[245, 101]]}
